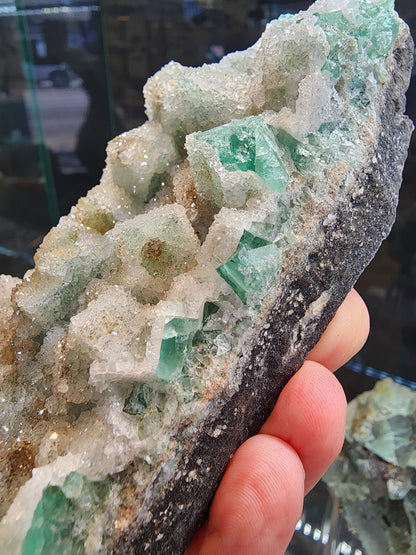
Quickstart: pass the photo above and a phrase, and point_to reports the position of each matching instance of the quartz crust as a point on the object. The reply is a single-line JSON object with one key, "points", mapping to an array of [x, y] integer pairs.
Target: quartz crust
{"points": [[167, 311]]}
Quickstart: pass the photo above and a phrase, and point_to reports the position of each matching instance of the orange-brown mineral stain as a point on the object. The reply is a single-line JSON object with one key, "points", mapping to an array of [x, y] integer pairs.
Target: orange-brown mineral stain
{"points": [[17, 462]]}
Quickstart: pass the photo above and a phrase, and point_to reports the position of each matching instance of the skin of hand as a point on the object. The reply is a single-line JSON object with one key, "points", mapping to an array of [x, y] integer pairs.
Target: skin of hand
{"points": [[260, 498]]}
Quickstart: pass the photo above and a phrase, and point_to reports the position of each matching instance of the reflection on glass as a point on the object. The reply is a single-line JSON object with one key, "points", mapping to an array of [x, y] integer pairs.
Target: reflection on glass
{"points": [[23, 208], [55, 116]]}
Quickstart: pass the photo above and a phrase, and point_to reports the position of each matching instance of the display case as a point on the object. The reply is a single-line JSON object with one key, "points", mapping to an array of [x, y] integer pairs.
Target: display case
{"points": [[55, 118]]}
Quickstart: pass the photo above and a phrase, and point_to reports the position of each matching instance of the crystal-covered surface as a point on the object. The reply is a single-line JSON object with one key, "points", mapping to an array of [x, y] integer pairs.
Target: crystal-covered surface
{"points": [[125, 329]]}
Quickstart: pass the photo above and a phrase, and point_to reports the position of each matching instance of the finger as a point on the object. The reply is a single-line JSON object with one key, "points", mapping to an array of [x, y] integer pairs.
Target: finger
{"points": [[310, 416], [345, 335], [258, 502]]}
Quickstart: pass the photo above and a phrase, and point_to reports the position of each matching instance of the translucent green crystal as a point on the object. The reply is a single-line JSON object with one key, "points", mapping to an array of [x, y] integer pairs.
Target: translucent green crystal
{"points": [[62, 516], [335, 25], [374, 477], [204, 335], [176, 346], [372, 34], [136, 402], [52, 526], [264, 230], [252, 269], [209, 309], [384, 421], [150, 424], [300, 152], [54, 288], [379, 35], [142, 397], [249, 145]]}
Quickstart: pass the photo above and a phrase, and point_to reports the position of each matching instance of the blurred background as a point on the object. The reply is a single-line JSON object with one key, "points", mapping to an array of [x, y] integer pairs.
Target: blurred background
{"points": [[71, 75]]}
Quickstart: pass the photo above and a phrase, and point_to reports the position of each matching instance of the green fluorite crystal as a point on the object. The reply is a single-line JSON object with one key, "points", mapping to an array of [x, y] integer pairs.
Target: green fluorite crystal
{"points": [[52, 526], [252, 269], [62, 516], [300, 152], [55, 288], [371, 34], [209, 309], [249, 145], [384, 421], [142, 397], [176, 346]]}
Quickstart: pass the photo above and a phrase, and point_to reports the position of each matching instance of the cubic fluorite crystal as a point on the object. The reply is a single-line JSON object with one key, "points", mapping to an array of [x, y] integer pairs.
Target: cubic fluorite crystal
{"points": [[176, 346], [169, 308], [253, 267]]}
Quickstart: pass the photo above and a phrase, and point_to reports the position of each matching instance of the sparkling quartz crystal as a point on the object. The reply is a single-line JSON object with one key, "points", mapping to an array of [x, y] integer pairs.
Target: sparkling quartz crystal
{"points": [[167, 311]]}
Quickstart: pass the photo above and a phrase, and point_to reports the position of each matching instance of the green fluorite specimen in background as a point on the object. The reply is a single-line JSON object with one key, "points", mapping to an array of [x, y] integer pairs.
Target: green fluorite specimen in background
{"points": [[384, 421], [374, 478]]}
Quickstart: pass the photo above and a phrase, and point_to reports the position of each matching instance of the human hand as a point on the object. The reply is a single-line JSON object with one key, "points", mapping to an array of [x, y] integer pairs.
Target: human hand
{"points": [[260, 498]]}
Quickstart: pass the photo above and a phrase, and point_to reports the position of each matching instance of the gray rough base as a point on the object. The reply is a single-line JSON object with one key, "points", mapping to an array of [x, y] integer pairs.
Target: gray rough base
{"points": [[174, 509]]}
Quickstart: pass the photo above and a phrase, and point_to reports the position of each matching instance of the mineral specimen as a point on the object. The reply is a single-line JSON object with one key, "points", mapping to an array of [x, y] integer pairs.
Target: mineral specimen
{"points": [[374, 478], [169, 308]]}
